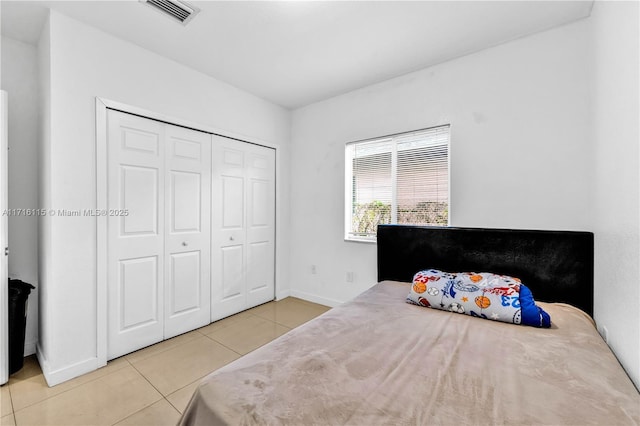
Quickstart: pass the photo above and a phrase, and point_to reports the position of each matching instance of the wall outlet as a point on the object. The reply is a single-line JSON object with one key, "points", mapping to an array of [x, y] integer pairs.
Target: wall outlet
{"points": [[314, 270], [605, 334], [349, 277]]}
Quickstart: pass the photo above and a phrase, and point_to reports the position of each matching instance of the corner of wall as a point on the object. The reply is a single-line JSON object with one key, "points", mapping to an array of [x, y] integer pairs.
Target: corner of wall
{"points": [[44, 167], [615, 108]]}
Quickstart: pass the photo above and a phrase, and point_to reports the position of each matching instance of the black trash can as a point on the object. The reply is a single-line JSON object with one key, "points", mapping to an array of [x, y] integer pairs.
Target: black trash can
{"points": [[18, 294]]}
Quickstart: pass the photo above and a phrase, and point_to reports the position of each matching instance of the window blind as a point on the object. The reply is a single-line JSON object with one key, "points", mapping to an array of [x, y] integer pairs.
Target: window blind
{"points": [[400, 179]]}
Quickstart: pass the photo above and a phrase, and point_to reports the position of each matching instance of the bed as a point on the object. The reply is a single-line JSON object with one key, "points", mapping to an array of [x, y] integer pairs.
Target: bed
{"points": [[380, 360]]}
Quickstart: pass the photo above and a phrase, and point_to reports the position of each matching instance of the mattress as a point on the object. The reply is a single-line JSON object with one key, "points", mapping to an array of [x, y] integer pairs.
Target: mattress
{"points": [[379, 360]]}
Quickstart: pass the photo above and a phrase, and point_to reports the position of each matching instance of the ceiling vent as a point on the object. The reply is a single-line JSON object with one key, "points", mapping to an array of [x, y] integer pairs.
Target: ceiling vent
{"points": [[178, 10]]}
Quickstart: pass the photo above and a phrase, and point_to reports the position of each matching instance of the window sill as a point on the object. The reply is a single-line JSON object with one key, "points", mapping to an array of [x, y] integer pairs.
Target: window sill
{"points": [[361, 240]]}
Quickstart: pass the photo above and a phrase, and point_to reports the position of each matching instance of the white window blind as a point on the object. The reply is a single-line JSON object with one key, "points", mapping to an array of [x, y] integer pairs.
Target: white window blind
{"points": [[400, 179]]}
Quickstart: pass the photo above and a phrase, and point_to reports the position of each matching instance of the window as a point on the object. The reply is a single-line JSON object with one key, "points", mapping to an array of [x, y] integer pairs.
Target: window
{"points": [[401, 179]]}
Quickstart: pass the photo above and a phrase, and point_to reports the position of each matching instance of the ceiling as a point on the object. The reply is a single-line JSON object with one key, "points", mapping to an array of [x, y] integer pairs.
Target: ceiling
{"points": [[293, 53]]}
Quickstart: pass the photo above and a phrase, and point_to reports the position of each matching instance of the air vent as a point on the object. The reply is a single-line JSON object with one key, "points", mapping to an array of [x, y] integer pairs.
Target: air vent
{"points": [[178, 10]]}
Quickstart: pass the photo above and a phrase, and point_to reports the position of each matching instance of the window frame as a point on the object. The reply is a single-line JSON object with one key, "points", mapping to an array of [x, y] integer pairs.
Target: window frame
{"points": [[348, 180]]}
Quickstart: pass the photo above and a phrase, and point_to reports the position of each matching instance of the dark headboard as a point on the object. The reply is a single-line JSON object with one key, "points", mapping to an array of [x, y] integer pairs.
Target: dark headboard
{"points": [[556, 265]]}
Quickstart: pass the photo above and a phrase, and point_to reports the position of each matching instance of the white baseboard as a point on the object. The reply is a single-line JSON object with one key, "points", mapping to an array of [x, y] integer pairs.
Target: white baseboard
{"points": [[332, 303], [283, 294], [55, 377]]}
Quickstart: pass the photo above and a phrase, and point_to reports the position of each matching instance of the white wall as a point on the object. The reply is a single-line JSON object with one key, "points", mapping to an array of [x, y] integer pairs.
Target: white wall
{"points": [[20, 80], [1, 87], [615, 177], [86, 63], [520, 151]]}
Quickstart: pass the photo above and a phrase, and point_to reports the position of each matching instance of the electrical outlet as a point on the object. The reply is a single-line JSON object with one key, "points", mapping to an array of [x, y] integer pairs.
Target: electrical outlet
{"points": [[605, 334], [349, 277]]}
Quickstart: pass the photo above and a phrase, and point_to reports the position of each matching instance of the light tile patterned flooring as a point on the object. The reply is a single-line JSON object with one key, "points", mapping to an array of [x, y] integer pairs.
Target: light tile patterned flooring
{"points": [[153, 385]]}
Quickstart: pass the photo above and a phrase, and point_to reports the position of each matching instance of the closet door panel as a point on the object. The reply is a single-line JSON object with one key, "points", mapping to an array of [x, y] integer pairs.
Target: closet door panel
{"points": [[159, 252], [243, 226], [139, 197], [260, 275], [260, 174], [186, 190], [232, 203], [187, 230], [135, 270], [232, 272], [228, 292], [138, 288], [185, 282]]}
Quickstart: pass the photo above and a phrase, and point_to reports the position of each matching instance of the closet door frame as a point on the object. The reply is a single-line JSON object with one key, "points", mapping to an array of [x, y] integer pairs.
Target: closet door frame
{"points": [[102, 105]]}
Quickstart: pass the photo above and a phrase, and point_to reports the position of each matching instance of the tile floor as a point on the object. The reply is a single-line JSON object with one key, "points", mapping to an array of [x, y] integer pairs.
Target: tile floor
{"points": [[153, 385]]}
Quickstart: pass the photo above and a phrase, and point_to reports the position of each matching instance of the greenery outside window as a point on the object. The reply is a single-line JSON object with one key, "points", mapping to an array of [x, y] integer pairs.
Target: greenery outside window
{"points": [[398, 179]]}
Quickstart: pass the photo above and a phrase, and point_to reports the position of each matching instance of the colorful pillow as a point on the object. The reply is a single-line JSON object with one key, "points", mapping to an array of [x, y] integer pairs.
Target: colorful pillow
{"points": [[484, 295]]}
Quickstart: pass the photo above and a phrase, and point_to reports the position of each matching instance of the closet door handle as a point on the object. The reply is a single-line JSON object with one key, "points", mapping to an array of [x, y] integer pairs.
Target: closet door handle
{"points": [[184, 244], [230, 238]]}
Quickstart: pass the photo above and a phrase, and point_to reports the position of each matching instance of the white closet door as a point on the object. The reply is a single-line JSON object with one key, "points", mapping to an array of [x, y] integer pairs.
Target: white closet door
{"points": [[243, 213], [260, 178], [135, 239], [228, 294], [187, 230], [159, 227]]}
